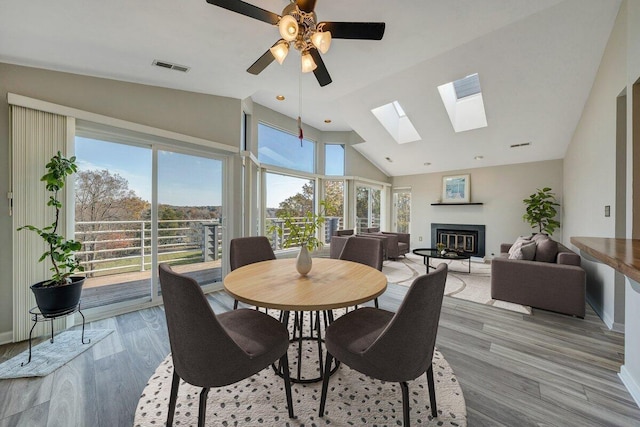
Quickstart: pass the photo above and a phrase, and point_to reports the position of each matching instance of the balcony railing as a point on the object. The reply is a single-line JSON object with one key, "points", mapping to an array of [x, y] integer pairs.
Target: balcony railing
{"points": [[111, 247]]}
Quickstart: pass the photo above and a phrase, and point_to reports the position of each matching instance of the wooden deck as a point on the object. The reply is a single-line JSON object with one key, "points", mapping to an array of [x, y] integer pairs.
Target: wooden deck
{"points": [[115, 288]]}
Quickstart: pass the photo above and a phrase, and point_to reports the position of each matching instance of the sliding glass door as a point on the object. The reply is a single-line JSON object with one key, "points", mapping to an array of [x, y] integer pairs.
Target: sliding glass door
{"points": [[112, 221], [126, 230], [189, 224]]}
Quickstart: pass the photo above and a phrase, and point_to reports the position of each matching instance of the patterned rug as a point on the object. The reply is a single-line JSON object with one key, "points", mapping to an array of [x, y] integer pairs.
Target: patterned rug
{"points": [[46, 357], [474, 287], [353, 398]]}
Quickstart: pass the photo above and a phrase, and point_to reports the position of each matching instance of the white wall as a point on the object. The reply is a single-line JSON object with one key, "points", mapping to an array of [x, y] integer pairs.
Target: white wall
{"points": [[590, 174], [590, 184], [630, 372], [501, 189]]}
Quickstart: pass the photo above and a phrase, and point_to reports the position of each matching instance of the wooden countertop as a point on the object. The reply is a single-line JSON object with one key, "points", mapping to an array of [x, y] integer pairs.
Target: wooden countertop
{"points": [[621, 254]]}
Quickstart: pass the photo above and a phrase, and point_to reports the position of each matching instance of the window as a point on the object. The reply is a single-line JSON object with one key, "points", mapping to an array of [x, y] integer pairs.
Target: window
{"points": [[278, 148], [286, 193], [123, 227], [396, 122], [334, 159], [464, 104], [367, 207], [334, 198], [402, 211]]}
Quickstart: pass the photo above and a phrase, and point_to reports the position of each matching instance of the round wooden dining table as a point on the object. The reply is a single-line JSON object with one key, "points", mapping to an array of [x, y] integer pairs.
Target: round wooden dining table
{"points": [[330, 284]]}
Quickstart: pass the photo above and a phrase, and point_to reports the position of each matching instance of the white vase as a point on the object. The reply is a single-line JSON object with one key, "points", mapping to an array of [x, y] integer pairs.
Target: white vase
{"points": [[303, 262]]}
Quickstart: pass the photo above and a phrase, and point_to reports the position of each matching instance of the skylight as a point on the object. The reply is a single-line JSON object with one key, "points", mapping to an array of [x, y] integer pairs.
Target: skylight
{"points": [[463, 101], [396, 122]]}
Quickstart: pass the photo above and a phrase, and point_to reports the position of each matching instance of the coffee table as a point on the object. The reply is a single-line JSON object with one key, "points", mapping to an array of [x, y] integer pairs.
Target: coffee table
{"points": [[428, 253]]}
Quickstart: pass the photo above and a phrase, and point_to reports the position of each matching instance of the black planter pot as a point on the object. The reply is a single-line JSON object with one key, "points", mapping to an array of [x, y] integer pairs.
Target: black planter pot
{"points": [[56, 300]]}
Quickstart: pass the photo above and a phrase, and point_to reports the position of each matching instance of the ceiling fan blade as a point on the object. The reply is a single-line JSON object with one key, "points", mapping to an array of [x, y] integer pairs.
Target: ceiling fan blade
{"points": [[306, 5], [354, 30], [321, 73], [247, 9], [262, 62]]}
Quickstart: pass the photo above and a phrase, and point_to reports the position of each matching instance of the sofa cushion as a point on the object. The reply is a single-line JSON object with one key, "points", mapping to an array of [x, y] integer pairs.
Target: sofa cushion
{"points": [[546, 249], [523, 248]]}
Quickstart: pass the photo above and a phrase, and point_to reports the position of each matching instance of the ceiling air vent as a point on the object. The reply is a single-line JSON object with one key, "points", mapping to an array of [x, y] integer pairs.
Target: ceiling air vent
{"points": [[170, 65], [524, 144]]}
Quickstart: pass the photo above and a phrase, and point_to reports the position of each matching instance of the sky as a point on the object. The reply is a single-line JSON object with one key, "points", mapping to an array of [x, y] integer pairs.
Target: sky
{"points": [[186, 180], [183, 180]]}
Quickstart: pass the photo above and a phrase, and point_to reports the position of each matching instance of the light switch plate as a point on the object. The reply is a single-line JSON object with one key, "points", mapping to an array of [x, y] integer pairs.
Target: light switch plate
{"points": [[607, 211]]}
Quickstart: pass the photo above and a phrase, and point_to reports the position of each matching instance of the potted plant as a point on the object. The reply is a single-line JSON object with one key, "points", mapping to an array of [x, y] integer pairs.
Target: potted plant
{"points": [[541, 211], [60, 293], [302, 233], [440, 248]]}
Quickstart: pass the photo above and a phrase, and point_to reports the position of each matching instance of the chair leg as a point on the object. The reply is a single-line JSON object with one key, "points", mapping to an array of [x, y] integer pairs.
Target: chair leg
{"points": [[202, 411], [325, 383], [284, 365], [432, 391], [405, 403], [375, 301], [235, 304], [175, 383]]}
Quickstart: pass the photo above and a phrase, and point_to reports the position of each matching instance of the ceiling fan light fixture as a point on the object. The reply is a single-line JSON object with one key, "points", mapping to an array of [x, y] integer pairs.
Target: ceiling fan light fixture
{"points": [[280, 51], [288, 27], [321, 40], [308, 64]]}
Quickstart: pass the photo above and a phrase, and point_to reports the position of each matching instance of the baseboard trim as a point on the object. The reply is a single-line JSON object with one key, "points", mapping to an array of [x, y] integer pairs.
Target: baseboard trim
{"points": [[606, 318], [598, 311], [630, 383], [6, 337], [618, 327]]}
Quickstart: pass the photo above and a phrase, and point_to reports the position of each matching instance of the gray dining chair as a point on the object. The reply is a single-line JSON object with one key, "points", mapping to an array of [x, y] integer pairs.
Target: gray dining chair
{"points": [[391, 347], [364, 250], [210, 350], [248, 250]]}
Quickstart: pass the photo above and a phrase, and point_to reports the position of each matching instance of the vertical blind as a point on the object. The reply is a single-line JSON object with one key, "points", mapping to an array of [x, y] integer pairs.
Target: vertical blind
{"points": [[36, 136]]}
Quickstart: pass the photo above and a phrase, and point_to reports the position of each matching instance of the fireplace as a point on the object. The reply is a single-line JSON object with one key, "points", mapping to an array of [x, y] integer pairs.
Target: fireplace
{"points": [[465, 238]]}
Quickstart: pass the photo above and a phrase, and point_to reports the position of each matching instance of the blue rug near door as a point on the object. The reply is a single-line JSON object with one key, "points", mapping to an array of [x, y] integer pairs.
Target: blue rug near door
{"points": [[46, 357]]}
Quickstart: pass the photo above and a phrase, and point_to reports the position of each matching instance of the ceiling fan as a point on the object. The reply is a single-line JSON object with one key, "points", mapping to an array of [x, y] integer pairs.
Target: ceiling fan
{"points": [[298, 26]]}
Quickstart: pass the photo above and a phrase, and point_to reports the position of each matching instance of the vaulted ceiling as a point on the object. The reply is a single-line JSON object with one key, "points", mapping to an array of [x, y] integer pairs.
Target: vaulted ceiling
{"points": [[536, 60]]}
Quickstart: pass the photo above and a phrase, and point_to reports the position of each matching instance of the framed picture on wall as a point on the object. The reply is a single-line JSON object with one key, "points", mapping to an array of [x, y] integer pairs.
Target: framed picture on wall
{"points": [[456, 189]]}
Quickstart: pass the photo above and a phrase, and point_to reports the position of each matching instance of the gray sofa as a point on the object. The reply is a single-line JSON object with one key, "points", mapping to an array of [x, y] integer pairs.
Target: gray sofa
{"points": [[557, 286]]}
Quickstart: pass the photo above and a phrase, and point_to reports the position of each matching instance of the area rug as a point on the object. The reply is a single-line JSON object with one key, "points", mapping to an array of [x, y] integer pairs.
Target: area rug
{"points": [[474, 287], [353, 399], [46, 357]]}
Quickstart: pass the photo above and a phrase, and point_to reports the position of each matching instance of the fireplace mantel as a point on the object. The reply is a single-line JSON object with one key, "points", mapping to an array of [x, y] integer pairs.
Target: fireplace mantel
{"points": [[457, 204]]}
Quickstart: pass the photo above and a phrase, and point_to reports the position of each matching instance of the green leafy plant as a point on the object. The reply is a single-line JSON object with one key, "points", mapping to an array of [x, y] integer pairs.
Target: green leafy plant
{"points": [[440, 247], [60, 250], [541, 211], [302, 232]]}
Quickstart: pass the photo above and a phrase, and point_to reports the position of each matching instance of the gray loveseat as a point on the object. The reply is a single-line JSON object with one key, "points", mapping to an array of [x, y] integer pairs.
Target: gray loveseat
{"points": [[394, 244], [558, 285]]}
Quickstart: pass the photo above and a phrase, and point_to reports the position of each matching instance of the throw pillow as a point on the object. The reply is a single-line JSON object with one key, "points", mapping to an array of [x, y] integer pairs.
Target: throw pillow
{"points": [[516, 249], [528, 251], [546, 249]]}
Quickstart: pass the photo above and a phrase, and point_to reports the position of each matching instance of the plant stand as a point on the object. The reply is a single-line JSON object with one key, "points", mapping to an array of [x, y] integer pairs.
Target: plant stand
{"points": [[37, 316]]}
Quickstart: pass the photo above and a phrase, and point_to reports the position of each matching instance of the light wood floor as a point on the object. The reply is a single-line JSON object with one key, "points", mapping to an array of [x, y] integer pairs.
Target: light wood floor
{"points": [[515, 370]]}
